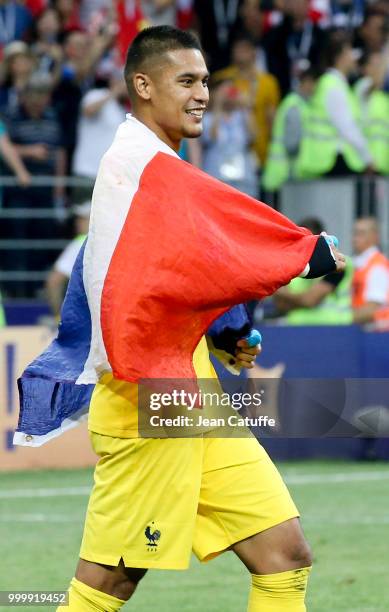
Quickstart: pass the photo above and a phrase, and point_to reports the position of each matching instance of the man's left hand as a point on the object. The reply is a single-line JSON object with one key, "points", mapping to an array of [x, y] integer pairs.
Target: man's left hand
{"points": [[245, 355]]}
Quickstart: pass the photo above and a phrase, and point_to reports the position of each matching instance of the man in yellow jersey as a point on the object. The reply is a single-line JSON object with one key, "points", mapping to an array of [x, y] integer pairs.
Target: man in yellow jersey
{"points": [[156, 500]]}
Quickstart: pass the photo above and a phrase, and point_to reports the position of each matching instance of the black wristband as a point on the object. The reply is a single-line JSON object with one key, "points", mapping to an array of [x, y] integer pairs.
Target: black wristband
{"points": [[322, 261]]}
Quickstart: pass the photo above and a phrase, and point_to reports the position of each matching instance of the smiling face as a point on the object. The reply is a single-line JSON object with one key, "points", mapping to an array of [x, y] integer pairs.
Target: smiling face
{"points": [[172, 95]]}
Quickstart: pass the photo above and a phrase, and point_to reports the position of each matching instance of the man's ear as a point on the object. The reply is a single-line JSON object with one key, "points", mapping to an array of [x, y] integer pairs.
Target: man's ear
{"points": [[142, 84]]}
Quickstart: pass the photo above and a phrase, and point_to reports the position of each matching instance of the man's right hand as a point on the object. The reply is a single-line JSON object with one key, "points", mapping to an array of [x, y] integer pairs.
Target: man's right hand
{"points": [[340, 259]]}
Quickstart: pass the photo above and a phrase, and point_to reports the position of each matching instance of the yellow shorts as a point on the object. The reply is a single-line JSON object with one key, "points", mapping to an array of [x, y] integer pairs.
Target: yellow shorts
{"points": [[156, 500]]}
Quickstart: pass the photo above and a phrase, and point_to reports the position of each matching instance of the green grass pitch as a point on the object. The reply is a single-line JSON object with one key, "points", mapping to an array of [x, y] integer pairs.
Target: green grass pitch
{"points": [[345, 511]]}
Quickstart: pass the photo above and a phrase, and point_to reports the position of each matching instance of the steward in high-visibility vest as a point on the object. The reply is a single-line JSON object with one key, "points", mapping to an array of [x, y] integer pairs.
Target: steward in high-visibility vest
{"points": [[334, 309], [377, 129], [322, 142], [375, 108], [375, 260], [289, 126], [280, 165]]}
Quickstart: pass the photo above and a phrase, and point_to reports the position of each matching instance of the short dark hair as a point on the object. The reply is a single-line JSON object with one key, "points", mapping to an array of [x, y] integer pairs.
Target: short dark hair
{"points": [[153, 42], [314, 224], [243, 37]]}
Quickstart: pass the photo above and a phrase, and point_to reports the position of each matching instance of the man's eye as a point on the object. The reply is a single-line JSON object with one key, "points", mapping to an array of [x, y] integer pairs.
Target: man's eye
{"points": [[187, 81]]}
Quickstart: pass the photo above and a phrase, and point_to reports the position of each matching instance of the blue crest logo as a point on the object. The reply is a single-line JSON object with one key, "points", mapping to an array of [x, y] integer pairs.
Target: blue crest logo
{"points": [[152, 535]]}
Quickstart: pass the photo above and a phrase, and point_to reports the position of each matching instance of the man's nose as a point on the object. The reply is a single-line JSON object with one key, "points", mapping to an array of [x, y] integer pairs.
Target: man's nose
{"points": [[201, 93]]}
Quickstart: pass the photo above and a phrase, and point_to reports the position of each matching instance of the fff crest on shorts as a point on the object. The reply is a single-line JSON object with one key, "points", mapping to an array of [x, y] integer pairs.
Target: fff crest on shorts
{"points": [[153, 536]]}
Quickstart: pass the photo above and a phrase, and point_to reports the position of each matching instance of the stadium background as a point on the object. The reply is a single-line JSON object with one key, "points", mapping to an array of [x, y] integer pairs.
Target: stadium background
{"points": [[69, 55]]}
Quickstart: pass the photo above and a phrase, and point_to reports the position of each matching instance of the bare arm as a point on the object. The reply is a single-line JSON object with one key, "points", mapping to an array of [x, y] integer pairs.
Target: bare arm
{"points": [[365, 313], [37, 151], [99, 44], [91, 109], [285, 300], [60, 170], [13, 159], [55, 287]]}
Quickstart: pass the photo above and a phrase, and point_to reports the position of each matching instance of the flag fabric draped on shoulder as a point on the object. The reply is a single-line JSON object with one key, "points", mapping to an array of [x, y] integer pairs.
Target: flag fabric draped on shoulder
{"points": [[169, 250]]}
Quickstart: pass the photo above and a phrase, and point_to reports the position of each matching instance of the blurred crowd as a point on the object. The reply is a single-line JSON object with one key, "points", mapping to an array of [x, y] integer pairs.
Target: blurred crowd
{"points": [[299, 90]]}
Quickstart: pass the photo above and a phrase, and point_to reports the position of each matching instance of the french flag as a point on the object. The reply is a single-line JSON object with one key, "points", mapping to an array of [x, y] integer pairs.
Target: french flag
{"points": [[169, 251]]}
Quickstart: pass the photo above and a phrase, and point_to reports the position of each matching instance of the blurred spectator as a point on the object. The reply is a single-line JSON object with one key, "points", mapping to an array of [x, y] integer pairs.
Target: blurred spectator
{"points": [[46, 47], [375, 109], [160, 12], [11, 156], [274, 10], [319, 301], [130, 21], [92, 13], [36, 132], [294, 40], [69, 14], [290, 125], [260, 90], [370, 286], [102, 111], [335, 144], [15, 22], [381, 5], [372, 34], [168, 12], [227, 138], [35, 6], [346, 13], [253, 22], [191, 151], [59, 275], [81, 55], [218, 22], [18, 66]]}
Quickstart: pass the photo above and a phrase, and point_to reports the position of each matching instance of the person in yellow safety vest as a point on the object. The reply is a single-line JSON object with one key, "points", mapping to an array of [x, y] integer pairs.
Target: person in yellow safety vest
{"points": [[2, 314], [288, 128], [334, 144], [319, 301], [59, 275], [375, 108]]}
